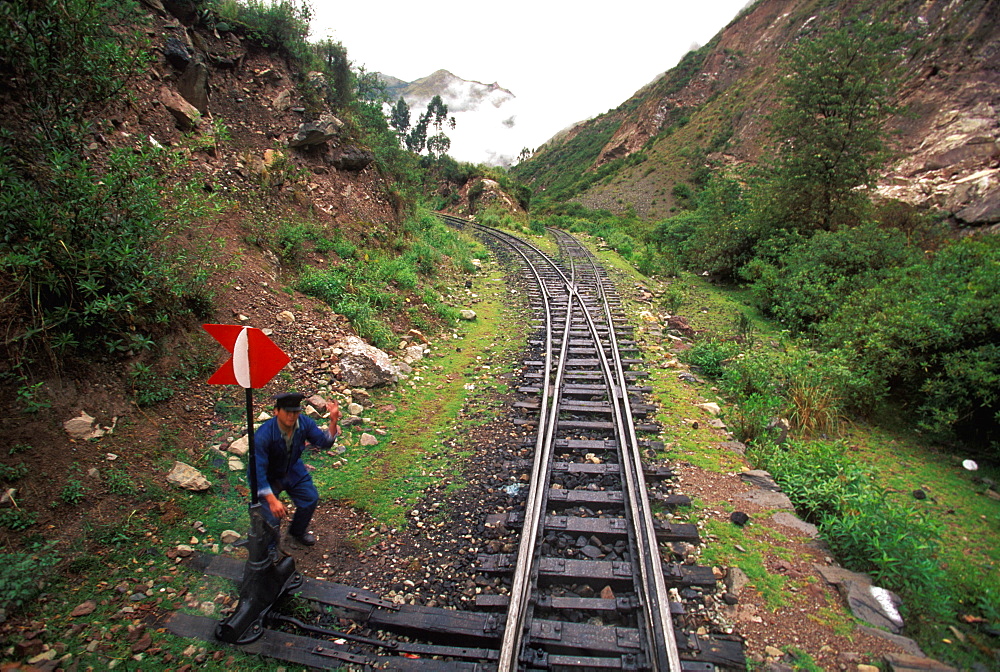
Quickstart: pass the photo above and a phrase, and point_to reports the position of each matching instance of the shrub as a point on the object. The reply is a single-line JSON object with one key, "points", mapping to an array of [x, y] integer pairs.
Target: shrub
{"points": [[89, 251], [928, 330], [868, 530], [274, 24], [41, 43], [710, 356], [823, 272], [23, 576], [750, 418]]}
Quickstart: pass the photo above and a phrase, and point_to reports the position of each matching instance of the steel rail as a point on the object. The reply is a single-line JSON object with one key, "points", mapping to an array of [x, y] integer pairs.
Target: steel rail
{"points": [[655, 593], [656, 626], [522, 586]]}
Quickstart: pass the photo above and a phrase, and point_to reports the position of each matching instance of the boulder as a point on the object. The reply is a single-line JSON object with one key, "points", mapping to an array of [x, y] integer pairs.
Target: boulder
{"points": [[187, 477], [900, 662], [193, 84], [874, 605], [467, 314], [317, 132], [985, 210], [414, 353], [680, 325], [185, 114], [352, 158], [80, 427], [176, 53], [240, 446], [364, 365], [710, 407]]}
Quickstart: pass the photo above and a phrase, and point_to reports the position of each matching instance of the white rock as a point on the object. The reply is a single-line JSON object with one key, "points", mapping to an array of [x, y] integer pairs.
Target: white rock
{"points": [[467, 314], [368, 440], [414, 353], [187, 477], [236, 464], [240, 446], [710, 407], [80, 427], [229, 536], [286, 317], [355, 409], [183, 550]]}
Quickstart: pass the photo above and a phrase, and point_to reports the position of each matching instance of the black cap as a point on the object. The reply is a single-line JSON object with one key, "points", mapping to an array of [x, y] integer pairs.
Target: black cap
{"points": [[289, 401]]}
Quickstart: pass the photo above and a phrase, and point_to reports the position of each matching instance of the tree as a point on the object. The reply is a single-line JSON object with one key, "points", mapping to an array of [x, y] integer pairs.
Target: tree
{"points": [[435, 116], [830, 128], [399, 118], [416, 139], [337, 67], [438, 144]]}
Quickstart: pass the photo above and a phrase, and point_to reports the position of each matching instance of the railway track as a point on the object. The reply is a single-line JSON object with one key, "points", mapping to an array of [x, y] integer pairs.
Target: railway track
{"points": [[589, 585]]}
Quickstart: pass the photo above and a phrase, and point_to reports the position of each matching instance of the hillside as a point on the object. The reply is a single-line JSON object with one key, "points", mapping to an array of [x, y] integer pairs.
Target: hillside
{"points": [[257, 187], [712, 108]]}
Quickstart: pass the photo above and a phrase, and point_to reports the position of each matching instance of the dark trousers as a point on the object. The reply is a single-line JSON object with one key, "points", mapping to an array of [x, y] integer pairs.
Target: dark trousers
{"points": [[305, 497]]}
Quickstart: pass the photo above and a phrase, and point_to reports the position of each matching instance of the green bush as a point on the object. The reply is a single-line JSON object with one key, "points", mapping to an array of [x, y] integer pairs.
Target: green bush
{"points": [[23, 576], [867, 530], [710, 356], [89, 254], [814, 278], [41, 44], [274, 24], [750, 418], [929, 330]]}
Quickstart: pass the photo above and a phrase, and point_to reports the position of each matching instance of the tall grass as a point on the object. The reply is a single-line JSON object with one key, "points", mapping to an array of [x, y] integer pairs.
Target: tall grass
{"points": [[371, 290]]}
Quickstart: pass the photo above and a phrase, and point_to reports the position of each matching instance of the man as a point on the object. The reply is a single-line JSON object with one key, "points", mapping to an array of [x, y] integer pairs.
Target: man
{"points": [[278, 446]]}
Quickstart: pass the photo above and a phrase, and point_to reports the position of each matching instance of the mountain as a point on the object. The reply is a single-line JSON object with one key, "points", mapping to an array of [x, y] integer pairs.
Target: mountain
{"points": [[485, 114], [713, 107]]}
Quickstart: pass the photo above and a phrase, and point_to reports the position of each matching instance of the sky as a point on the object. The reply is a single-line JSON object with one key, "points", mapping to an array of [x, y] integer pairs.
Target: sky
{"points": [[563, 61]]}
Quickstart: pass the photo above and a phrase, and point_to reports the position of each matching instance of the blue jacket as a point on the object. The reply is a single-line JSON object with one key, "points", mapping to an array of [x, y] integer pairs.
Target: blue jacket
{"points": [[278, 465]]}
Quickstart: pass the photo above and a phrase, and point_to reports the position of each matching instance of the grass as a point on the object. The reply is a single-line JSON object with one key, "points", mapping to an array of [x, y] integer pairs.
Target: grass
{"points": [[444, 393]]}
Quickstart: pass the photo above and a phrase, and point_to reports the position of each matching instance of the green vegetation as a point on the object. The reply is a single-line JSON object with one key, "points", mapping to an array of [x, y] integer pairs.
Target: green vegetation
{"points": [[368, 289], [428, 416], [857, 482], [24, 575], [564, 172]]}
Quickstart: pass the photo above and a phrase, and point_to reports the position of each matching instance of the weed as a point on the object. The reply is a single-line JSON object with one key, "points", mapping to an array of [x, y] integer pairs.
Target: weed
{"points": [[119, 483], [73, 492], [19, 448], [14, 472], [23, 576], [32, 398], [17, 520], [745, 328], [148, 386], [672, 299]]}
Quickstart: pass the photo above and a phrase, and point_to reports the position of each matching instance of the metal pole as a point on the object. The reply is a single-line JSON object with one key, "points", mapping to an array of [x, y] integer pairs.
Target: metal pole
{"points": [[252, 449]]}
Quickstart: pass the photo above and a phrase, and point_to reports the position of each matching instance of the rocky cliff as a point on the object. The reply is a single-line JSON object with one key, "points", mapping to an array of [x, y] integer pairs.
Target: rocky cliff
{"points": [[715, 104]]}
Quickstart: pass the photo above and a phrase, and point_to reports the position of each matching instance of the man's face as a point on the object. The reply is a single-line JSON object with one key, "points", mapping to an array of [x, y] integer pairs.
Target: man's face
{"points": [[287, 418]]}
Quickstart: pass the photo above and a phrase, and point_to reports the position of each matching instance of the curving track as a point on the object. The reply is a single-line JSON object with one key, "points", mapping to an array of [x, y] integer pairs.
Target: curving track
{"points": [[588, 526]]}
